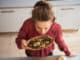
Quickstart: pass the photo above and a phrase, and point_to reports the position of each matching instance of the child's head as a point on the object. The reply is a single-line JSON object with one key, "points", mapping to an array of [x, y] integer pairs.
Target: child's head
{"points": [[42, 11], [43, 16]]}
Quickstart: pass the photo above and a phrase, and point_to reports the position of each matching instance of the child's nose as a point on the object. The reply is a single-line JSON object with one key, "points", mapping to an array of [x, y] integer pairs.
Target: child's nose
{"points": [[43, 31]]}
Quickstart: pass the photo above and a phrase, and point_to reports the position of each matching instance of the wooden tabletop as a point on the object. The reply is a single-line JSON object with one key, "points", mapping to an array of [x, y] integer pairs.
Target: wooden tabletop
{"points": [[44, 58]]}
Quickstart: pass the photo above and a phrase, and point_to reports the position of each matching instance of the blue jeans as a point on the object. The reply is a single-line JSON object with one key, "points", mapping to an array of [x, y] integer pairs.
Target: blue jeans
{"points": [[50, 54]]}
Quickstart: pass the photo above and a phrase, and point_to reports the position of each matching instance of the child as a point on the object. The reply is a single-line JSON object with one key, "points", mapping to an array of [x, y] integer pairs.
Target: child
{"points": [[42, 22]]}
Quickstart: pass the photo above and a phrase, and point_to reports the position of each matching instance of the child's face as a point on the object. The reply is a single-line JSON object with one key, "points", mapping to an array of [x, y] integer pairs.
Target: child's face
{"points": [[43, 26]]}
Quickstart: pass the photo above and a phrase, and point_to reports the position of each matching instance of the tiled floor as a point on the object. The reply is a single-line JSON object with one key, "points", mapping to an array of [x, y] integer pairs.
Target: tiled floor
{"points": [[8, 47]]}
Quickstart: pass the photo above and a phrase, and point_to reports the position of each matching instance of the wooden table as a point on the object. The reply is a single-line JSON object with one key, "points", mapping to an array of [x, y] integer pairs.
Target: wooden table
{"points": [[44, 58]]}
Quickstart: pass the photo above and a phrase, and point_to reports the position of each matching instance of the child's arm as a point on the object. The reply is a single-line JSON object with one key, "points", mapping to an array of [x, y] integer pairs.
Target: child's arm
{"points": [[21, 35], [61, 43]]}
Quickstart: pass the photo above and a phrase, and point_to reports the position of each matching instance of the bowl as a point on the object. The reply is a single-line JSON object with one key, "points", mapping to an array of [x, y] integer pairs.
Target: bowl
{"points": [[40, 42]]}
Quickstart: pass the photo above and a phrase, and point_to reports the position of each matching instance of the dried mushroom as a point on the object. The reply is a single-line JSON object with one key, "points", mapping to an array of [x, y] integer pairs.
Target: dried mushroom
{"points": [[40, 42]]}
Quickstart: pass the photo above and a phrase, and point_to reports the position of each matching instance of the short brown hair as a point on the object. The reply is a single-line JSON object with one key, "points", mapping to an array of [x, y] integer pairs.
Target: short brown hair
{"points": [[42, 11]]}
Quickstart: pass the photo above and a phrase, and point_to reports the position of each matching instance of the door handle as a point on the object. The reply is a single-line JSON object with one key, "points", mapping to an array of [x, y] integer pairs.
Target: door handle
{"points": [[7, 11]]}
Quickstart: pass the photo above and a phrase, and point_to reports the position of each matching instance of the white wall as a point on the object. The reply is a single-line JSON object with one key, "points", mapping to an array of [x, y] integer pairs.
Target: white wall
{"points": [[17, 3], [30, 3]]}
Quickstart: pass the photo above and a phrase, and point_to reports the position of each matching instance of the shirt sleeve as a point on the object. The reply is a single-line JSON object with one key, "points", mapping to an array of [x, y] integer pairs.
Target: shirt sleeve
{"points": [[21, 35], [60, 41]]}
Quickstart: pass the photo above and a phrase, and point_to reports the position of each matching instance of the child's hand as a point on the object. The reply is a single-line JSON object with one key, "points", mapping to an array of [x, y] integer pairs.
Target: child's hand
{"points": [[24, 45], [72, 54]]}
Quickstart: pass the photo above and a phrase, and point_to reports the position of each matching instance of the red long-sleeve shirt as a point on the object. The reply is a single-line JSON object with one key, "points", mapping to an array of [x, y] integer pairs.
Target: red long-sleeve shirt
{"points": [[28, 30]]}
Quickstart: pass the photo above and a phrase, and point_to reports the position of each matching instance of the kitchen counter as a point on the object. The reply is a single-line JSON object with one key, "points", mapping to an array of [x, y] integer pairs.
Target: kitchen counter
{"points": [[44, 58]]}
